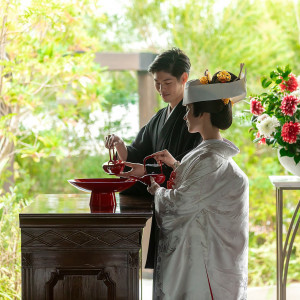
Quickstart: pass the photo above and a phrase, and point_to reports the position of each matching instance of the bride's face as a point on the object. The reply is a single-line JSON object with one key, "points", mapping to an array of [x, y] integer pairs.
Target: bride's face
{"points": [[193, 123]]}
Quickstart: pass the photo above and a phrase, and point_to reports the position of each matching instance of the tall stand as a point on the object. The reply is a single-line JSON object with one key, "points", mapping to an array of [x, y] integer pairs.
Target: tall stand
{"points": [[283, 253]]}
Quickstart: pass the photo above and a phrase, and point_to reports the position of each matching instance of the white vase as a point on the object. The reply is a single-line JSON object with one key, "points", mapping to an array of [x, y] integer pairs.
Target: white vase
{"points": [[289, 164]]}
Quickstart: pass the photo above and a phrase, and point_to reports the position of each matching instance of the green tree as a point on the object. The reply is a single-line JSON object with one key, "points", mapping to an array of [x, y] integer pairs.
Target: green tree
{"points": [[49, 85], [48, 79], [262, 34]]}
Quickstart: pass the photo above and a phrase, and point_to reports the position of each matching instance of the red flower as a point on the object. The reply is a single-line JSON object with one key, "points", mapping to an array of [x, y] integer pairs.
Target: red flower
{"points": [[289, 105], [256, 107], [262, 140], [290, 131], [290, 85]]}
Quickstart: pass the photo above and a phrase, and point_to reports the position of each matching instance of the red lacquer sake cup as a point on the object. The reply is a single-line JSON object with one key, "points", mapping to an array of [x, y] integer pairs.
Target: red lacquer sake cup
{"points": [[113, 166]]}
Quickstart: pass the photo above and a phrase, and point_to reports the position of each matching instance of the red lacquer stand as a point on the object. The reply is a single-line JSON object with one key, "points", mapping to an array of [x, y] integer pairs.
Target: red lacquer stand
{"points": [[102, 190]]}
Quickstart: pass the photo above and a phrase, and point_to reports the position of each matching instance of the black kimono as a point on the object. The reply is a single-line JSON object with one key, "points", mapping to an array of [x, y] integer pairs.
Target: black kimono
{"points": [[158, 135]]}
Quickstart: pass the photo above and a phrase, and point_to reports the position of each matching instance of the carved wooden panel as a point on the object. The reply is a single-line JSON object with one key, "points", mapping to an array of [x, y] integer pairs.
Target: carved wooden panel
{"points": [[47, 264], [133, 274], [68, 238], [133, 259], [75, 283], [26, 259]]}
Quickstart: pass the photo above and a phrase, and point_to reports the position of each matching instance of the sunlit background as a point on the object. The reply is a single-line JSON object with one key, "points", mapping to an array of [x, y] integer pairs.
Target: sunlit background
{"points": [[57, 104]]}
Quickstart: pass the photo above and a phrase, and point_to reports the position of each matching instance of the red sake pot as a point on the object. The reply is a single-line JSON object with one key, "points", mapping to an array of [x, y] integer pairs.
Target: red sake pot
{"points": [[158, 178]]}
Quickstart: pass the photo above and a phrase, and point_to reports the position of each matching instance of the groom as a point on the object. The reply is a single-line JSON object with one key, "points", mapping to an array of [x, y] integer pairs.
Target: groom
{"points": [[165, 130]]}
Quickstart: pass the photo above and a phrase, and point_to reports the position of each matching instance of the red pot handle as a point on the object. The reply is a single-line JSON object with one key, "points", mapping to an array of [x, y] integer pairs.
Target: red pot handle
{"points": [[148, 157]]}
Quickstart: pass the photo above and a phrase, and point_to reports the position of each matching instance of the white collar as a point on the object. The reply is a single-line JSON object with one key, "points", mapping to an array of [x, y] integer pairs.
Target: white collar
{"points": [[169, 111]]}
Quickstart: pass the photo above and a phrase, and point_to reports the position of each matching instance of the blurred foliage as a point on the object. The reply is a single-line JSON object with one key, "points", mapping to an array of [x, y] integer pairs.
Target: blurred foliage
{"points": [[50, 84], [49, 80], [221, 34], [67, 168], [10, 242], [52, 96]]}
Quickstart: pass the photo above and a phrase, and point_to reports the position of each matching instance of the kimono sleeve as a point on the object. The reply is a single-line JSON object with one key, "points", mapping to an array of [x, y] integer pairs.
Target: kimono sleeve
{"points": [[141, 146], [187, 198]]}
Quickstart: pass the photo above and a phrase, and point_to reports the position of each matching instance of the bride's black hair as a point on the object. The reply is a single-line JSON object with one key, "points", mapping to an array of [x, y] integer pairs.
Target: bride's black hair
{"points": [[220, 113]]}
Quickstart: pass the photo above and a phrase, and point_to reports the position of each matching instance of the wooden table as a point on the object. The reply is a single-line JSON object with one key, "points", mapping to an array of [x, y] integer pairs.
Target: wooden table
{"points": [[282, 183], [70, 253]]}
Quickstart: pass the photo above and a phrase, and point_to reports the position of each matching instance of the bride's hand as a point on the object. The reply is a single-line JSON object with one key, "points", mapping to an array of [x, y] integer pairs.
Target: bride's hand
{"points": [[166, 157], [153, 187]]}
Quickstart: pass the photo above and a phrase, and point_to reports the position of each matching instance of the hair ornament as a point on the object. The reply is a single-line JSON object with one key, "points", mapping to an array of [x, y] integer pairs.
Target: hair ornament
{"points": [[233, 91], [226, 101], [206, 78], [208, 75], [241, 70], [223, 76], [203, 80]]}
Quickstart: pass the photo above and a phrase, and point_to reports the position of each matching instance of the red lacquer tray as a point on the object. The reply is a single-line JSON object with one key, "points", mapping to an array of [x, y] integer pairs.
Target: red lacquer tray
{"points": [[102, 191]]}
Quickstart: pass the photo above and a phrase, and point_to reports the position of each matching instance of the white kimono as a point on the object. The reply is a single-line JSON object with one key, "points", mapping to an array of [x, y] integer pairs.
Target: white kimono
{"points": [[203, 220]]}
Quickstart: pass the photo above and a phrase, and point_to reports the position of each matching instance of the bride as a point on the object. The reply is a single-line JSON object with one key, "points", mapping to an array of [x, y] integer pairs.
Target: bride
{"points": [[203, 215]]}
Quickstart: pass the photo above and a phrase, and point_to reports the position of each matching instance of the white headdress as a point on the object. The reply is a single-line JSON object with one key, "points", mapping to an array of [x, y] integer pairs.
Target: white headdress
{"points": [[195, 91]]}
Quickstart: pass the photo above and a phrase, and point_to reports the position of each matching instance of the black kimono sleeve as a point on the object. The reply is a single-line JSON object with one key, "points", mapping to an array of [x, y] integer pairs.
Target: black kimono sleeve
{"points": [[141, 146]]}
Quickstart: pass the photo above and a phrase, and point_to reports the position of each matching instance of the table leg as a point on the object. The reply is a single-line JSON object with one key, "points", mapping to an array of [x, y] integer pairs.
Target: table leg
{"points": [[279, 243], [288, 246], [283, 255]]}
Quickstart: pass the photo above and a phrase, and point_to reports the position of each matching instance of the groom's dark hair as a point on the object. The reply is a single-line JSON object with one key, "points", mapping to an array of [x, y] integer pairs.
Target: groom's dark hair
{"points": [[173, 61]]}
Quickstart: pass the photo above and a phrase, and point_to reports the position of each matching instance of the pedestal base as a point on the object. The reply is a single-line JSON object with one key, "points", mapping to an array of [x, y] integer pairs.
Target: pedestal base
{"points": [[103, 202]]}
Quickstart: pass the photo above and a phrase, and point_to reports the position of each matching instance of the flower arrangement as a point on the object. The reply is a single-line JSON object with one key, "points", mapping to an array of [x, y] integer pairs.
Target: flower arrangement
{"points": [[276, 113]]}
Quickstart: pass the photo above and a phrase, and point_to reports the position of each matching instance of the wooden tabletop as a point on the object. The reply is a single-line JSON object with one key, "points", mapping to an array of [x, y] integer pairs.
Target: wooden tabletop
{"points": [[51, 209]]}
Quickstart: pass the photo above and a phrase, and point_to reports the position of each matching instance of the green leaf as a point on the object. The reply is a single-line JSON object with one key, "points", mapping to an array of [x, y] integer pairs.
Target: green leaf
{"points": [[274, 75], [269, 141], [279, 69], [278, 81], [287, 70], [297, 159], [265, 82], [286, 75], [284, 152], [285, 78]]}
